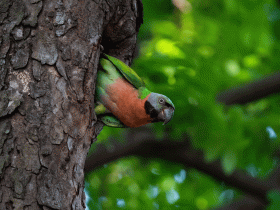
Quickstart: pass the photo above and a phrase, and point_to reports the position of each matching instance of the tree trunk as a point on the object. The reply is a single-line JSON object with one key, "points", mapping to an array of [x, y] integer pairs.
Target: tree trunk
{"points": [[49, 54]]}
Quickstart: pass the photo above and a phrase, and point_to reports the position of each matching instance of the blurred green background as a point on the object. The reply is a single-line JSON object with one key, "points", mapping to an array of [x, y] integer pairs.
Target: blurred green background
{"points": [[190, 51]]}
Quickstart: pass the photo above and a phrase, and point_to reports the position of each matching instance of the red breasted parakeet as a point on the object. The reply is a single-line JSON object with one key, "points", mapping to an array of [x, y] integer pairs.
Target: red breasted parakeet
{"points": [[122, 100]]}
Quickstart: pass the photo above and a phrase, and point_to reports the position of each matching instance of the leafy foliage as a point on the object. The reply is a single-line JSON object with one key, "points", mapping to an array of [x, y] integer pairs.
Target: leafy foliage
{"points": [[190, 54]]}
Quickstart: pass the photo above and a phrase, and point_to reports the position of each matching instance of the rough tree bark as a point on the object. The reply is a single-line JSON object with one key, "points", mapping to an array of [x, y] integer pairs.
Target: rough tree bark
{"points": [[49, 54]]}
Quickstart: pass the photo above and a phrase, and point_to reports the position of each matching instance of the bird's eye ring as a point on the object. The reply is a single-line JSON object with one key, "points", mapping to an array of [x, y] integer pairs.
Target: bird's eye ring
{"points": [[161, 100]]}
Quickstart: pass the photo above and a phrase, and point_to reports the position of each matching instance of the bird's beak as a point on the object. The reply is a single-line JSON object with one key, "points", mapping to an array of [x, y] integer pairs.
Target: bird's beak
{"points": [[166, 115]]}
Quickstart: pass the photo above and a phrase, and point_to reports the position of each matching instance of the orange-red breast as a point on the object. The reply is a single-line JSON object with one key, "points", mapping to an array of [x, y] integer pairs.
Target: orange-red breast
{"points": [[124, 101]]}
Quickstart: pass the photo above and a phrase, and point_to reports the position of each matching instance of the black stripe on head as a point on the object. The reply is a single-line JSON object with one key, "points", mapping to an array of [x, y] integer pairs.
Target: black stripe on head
{"points": [[150, 110]]}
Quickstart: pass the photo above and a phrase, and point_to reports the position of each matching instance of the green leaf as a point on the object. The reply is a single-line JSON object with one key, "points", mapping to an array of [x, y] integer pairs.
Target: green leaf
{"points": [[229, 162]]}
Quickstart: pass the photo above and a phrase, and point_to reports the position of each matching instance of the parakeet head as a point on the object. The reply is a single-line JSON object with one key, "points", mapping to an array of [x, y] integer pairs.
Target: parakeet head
{"points": [[160, 108]]}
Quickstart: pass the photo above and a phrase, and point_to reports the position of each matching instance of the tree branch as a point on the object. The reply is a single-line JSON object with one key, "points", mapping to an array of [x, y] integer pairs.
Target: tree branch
{"points": [[244, 203], [143, 144], [183, 153], [251, 92]]}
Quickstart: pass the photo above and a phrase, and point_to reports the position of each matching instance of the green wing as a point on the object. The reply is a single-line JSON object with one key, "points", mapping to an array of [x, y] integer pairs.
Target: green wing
{"points": [[107, 118], [112, 121], [127, 72]]}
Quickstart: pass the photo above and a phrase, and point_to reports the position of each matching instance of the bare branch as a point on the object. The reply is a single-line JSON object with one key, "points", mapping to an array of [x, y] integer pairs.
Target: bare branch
{"points": [[251, 92], [245, 203], [183, 153]]}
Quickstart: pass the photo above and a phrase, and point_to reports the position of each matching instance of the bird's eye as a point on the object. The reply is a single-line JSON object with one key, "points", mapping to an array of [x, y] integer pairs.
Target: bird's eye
{"points": [[161, 100]]}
